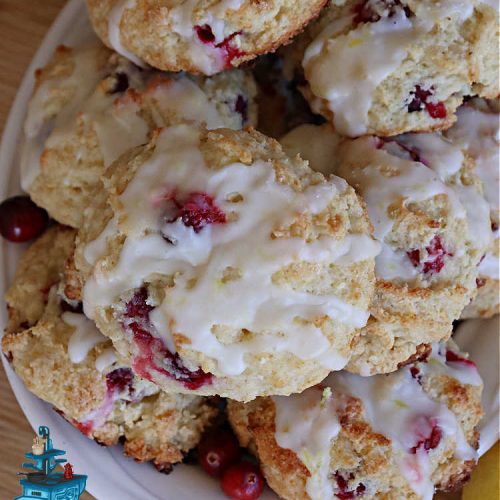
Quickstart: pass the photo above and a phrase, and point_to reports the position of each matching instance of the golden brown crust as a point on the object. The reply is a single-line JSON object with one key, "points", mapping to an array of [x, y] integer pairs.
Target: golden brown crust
{"points": [[38, 269], [358, 450], [149, 31]]}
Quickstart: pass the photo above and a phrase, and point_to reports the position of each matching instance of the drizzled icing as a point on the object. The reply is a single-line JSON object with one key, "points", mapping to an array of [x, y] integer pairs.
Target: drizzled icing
{"points": [[446, 159], [106, 359], [490, 267], [184, 98], [84, 338], [118, 122], [206, 57], [408, 181], [478, 132], [82, 81], [201, 297], [306, 424], [394, 405], [114, 20], [368, 54]]}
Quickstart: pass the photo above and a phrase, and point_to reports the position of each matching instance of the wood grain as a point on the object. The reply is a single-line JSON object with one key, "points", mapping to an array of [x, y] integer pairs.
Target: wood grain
{"points": [[23, 24]]}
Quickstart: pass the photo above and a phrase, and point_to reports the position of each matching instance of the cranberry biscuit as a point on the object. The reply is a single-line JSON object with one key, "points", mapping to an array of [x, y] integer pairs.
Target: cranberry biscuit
{"points": [[477, 132], [402, 435], [64, 360], [224, 267], [385, 67], [203, 36], [91, 105], [426, 204]]}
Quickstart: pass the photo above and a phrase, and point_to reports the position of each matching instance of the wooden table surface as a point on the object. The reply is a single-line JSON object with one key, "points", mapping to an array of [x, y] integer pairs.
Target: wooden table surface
{"points": [[23, 24]]}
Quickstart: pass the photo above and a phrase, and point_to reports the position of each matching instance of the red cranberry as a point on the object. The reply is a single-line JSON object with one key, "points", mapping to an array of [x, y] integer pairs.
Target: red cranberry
{"points": [[137, 307], [153, 355], [205, 34], [453, 357], [217, 451], [197, 210], [228, 51], [243, 481], [415, 373], [435, 109], [21, 220], [84, 427], [429, 433], [435, 260], [120, 380], [343, 487]]}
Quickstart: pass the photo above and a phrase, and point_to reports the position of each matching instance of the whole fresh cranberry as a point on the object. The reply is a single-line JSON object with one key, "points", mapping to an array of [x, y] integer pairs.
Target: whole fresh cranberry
{"points": [[243, 481], [21, 220], [217, 451]]}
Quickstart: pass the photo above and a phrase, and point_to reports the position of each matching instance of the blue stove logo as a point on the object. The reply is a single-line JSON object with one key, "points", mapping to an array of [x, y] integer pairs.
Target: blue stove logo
{"points": [[43, 482]]}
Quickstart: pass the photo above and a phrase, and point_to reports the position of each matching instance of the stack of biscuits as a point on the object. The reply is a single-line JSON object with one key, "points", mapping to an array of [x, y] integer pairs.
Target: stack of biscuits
{"points": [[286, 204]]}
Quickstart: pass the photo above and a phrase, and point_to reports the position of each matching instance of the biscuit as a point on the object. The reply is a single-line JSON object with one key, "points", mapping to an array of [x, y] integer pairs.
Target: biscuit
{"points": [[198, 36], [477, 132], [402, 435], [386, 67], [91, 105], [426, 204], [63, 359], [254, 272]]}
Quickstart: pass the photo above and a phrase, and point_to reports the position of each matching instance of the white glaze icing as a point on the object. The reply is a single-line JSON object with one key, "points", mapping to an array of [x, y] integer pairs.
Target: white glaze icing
{"points": [[84, 338], [446, 159], [253, 301], [206, 57], [490, 267], [367, 56], [395, 406], [307, 424], [37, 127], [368, 53], [363, 166], [106, 359], [114, 20], [184, 98], [478, 132]]}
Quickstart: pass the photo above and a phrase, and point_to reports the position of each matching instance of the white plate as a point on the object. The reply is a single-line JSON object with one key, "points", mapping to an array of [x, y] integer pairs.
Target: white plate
{"points": [[110, 475]]}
